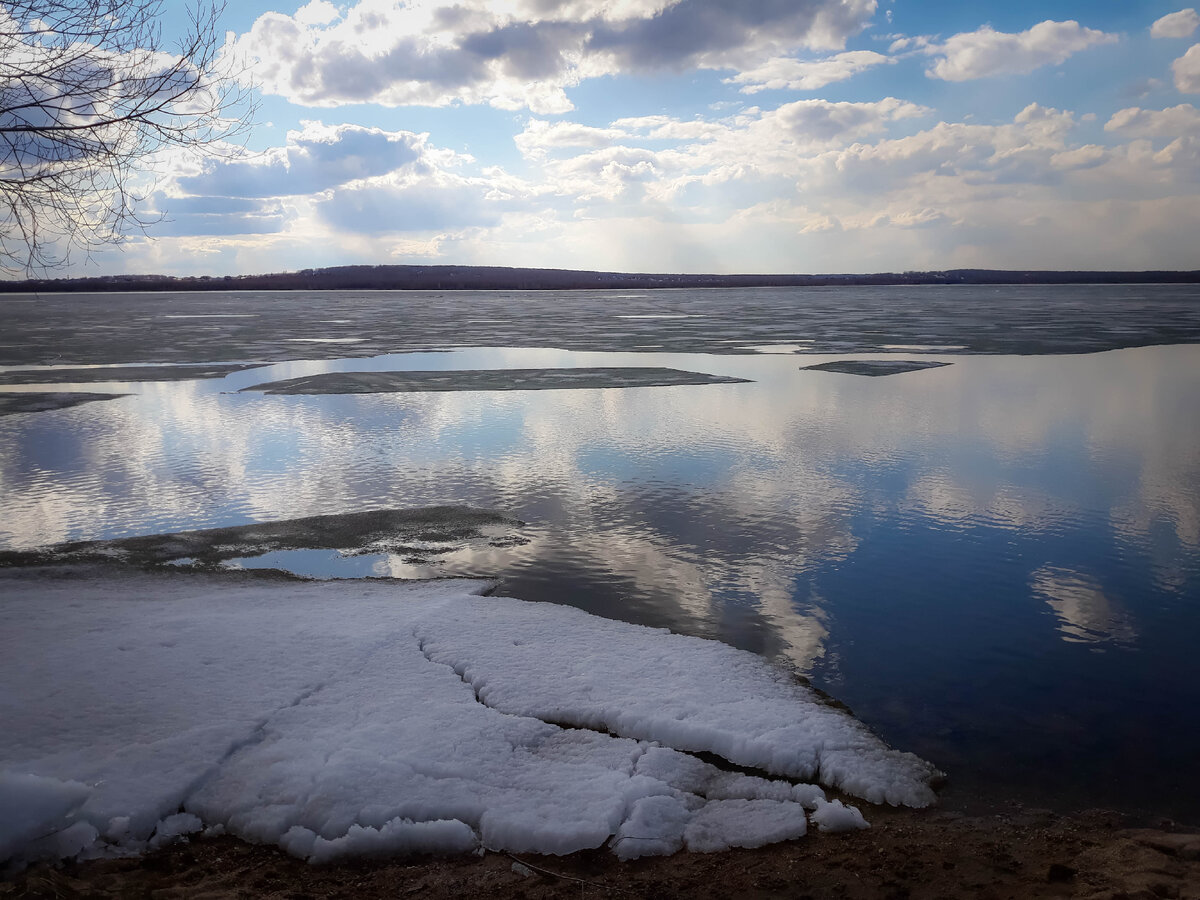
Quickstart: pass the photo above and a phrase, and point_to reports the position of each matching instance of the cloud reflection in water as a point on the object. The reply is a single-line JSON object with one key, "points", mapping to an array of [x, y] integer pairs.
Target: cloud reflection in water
{"points": [[712, 509]]}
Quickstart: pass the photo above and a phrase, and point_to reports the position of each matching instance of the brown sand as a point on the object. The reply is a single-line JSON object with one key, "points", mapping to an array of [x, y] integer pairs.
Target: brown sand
{"points": [[1019, 853]]}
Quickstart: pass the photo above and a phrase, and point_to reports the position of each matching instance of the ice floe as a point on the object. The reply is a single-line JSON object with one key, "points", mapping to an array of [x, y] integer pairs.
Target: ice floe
{"points": [[376, 717]]}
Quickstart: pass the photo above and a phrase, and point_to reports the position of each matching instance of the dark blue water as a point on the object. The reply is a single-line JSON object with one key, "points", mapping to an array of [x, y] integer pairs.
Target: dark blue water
{"points": [[996, 564]]}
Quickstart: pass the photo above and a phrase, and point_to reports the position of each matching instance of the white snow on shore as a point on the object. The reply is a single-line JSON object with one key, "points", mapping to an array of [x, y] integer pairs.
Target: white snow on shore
{"points": [[376, 718]]}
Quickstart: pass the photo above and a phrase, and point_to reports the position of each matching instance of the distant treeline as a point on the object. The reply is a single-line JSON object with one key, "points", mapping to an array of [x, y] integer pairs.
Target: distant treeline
{"points": [[462, 278]]}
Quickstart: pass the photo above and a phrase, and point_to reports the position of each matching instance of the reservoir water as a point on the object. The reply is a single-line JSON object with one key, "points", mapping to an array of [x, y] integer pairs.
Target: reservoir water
{"points": [[995, 563]]}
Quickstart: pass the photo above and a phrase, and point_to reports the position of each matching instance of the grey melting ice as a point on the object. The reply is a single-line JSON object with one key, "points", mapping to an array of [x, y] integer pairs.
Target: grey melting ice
{"points": [[488, 380], [875, 367]]}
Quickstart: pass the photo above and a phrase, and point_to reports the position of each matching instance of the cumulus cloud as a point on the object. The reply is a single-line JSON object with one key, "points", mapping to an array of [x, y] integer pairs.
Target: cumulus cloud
{"points": [[694, 169], [1171, 122], [419, 206], [823, 121], [747, 137], [949, 172], [1176, 25], [315, 158], [807, 75], [523, 54], [900, 42], [986, 52], [659, 128], [219, 216], [1186, 70], [540, 136], [339, 179], [717, 34]]}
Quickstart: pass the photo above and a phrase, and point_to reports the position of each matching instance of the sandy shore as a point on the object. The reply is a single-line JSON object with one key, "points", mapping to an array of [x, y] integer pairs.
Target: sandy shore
{"points": [[1014, 853]]}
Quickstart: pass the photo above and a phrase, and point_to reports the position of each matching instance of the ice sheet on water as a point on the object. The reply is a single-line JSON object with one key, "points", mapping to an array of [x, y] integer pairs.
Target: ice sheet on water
{"points": [[686, 693], [331, 719], [32, 807]]}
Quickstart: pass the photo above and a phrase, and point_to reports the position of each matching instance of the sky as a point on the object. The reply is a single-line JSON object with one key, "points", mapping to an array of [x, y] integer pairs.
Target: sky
{"points": [[808, 136]]}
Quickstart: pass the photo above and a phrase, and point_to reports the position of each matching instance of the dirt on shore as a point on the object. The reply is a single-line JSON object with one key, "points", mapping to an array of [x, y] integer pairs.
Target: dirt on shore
{"points": [[1018, 853]]}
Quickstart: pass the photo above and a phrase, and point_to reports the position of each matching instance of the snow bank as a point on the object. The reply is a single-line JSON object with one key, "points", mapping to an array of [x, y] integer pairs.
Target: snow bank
{"points": [[331, 719]]}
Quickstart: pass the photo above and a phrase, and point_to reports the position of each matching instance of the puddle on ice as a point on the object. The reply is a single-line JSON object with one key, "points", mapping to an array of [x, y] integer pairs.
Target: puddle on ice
{"points": [[325, 565], [320, 564]]}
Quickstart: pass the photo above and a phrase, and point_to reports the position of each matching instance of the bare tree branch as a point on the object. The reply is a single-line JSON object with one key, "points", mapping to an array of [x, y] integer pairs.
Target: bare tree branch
{"points": [[88, 93]]}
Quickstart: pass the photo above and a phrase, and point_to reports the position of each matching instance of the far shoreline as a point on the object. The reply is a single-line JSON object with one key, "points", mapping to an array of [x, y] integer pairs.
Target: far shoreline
{"points": [[501, 278]]}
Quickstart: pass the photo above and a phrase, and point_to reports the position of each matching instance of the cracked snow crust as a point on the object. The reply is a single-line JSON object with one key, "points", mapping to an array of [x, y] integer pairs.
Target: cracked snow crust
{"points": [[385, 718]]}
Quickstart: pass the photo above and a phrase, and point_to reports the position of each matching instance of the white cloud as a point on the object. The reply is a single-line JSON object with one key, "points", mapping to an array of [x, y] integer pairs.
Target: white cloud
{"points": [[950, 161], [807, 75], [341, 180], [405, 249], [986, 52], [1176, 25], [1186, 70], [1171, 122], [317, 12], [316, 158], [540, 136], [524, 53], [901, 42], [823, 121], [768, 189], [1079, 157], [658, 128]]}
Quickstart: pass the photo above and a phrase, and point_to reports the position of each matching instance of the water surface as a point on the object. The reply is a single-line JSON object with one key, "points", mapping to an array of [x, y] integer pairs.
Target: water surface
{"points": [[995, 563]]}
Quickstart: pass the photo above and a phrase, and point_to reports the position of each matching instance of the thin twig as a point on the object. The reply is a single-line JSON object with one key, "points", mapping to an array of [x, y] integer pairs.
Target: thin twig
{"points": [[565, 877]]}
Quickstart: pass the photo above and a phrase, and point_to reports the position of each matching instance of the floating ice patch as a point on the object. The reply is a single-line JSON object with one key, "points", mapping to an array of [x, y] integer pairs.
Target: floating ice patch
{"points": [[803, 347], [926, 348], [118, 374], [489, 380], [337, 719], [874, 367], [649, 684], [323, 340], [12, 403]]}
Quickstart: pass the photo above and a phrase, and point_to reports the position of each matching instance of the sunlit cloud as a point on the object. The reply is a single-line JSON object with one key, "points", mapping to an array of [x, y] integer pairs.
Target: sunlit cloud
{"points": [[807, 75], [1186, 70], [1180, 24], [524, 55], [988, 53]]}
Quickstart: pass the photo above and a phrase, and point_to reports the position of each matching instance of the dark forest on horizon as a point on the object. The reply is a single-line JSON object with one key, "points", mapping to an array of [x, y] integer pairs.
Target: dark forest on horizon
{"points": [[503, 278]]}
